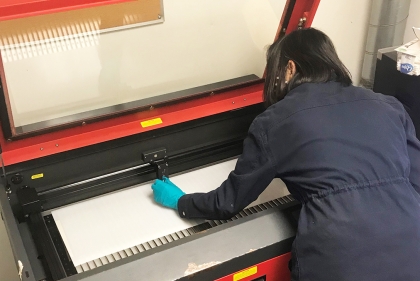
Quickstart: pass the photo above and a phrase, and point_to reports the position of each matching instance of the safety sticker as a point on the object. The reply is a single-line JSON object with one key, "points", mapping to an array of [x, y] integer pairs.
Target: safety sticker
{"points": [[151, 122], [246, 273], [37, 176]]}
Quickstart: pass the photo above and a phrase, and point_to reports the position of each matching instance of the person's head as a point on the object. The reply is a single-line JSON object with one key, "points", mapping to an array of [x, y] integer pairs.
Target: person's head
{"points": [[303, 56]]}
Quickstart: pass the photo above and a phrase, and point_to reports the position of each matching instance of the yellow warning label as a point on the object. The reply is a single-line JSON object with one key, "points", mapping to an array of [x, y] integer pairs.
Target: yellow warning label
{"points": [[151, 122], [37, 176], [244, 274]]}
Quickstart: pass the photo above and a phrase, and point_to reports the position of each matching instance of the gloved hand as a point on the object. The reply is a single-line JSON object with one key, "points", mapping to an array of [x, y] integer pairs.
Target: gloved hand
{"points": [[166, 193]]}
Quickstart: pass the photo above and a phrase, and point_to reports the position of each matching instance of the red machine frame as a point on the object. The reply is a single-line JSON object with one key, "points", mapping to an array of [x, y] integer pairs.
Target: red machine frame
{"points": [[14, 9], [275, 269]]}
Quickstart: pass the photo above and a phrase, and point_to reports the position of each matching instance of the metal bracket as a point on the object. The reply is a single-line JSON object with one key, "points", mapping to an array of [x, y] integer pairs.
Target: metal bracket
{"points": [[29, 201], [159, 160], [302, 22], [6, 183]]}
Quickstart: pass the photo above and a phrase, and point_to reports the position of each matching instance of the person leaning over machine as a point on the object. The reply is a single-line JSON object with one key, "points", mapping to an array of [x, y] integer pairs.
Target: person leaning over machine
{"points": [[349, 155]]}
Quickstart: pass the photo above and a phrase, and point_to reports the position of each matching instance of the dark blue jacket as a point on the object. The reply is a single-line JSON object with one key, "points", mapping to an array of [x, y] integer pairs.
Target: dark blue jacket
{"points": [[351, 157]]}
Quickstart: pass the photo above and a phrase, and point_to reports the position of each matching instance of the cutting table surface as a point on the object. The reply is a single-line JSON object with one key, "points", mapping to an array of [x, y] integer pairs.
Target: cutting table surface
{"points": [[101, 226]]}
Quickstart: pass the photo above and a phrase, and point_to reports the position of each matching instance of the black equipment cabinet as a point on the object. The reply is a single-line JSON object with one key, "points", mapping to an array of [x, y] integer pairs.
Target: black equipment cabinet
{"points": [[406, 88]]}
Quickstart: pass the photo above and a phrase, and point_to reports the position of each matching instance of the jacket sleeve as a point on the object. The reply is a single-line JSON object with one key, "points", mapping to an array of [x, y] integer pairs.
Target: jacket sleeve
{"points": [[413, 148], [253, 172]]}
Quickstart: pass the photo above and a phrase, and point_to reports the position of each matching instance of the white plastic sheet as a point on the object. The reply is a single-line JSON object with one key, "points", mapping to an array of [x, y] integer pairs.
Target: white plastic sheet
{"points": [[111, 223]]}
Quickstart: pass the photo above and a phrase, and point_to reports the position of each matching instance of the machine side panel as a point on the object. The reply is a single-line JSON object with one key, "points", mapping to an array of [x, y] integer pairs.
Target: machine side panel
{"points": [[15, 239]]}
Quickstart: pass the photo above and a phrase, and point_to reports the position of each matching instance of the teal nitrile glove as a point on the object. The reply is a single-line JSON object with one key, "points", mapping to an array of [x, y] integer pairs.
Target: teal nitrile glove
{"points": [[166, 193]]}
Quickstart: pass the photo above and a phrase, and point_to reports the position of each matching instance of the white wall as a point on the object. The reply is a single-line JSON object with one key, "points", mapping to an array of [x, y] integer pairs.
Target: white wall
{"points": [[413, 20], [345, 22]]}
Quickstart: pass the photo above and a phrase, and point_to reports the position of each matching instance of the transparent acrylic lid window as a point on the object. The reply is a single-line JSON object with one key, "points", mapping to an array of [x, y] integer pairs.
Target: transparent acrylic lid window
{"points": [[69, 78]]}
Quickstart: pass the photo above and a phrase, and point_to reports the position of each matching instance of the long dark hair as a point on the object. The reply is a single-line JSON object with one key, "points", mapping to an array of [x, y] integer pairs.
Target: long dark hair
{"points": [[314, 56]]}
